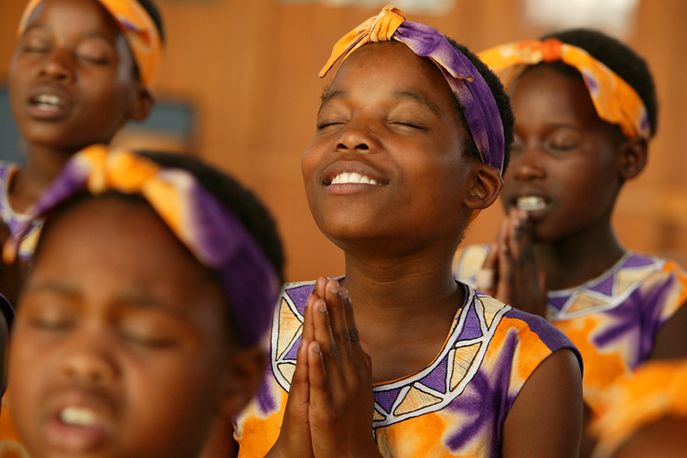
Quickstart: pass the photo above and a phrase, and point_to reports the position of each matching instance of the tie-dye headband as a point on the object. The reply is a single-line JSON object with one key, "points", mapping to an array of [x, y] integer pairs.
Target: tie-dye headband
{"points": [[136, 25], [474, 95], [214, 236], [615, 101]]}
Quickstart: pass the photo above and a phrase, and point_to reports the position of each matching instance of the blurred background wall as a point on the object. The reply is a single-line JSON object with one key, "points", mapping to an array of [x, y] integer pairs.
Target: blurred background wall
{"points": [[239, 87]]}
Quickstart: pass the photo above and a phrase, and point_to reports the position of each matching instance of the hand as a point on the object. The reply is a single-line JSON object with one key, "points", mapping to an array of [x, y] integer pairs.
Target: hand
{"points": [[510, 272], [340, 375], [294, 439]]}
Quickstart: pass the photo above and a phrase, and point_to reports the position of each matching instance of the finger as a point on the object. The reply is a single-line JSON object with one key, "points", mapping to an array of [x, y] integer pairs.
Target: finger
{"points": [[320, 287], [337, 317], [359, 356], [320, 395], [308, 327], [323, 331], [486, 276], [505, 273], [300, 389]]}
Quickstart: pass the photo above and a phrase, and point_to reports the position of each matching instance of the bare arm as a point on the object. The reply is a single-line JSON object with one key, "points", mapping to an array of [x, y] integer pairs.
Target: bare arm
{"points": [[671, 340], [546, 418]]}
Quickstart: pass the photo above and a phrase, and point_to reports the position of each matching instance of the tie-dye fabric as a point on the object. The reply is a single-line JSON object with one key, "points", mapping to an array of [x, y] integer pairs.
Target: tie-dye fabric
{"points": [[213, 235], [613, 319], [454, 407], [655, 390], [9, 217], [615, 101], [479, 106], [136, 25]]}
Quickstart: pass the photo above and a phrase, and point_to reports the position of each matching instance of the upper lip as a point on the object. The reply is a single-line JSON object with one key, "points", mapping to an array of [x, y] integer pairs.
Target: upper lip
{"points": [[352, 166]]}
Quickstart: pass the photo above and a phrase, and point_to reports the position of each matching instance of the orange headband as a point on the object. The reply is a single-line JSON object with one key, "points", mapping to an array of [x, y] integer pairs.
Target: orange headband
{"points": [[615, 101], [138, 29]]}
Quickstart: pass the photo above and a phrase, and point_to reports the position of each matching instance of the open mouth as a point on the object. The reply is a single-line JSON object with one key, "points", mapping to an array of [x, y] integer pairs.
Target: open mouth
{"points": [[48, 102], [82, 417], [530, 203], [353, 178]]}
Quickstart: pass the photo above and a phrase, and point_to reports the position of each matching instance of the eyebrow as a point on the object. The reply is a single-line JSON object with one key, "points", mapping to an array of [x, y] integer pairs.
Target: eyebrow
{"points": [[57, 287], [146, 302], [327, 95], [419, 98], [407, 95]]}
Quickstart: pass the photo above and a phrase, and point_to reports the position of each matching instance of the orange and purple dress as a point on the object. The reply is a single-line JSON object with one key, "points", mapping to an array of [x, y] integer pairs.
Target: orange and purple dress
{"points": [[612, 319], [456, 406]]}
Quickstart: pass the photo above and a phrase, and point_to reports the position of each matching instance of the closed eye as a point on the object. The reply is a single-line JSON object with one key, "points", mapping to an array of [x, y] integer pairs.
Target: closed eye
{"points": [[409, 124]]}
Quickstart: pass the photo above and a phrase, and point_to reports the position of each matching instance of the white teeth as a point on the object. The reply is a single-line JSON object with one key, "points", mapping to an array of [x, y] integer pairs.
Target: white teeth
{"points": [[48, 99], [531, 203], [353, 177], [78, 416]]}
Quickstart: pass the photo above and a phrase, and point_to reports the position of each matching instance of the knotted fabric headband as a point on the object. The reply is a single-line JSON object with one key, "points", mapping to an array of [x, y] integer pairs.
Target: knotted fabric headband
{"points": [[474, 95], [136, 25], [211, 233], [615, 101]]}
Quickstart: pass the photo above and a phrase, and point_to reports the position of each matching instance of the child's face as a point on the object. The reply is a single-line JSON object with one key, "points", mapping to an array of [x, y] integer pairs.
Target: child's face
{"points": [[121, 346], [387, 163], [564, 160], [72, 79]]}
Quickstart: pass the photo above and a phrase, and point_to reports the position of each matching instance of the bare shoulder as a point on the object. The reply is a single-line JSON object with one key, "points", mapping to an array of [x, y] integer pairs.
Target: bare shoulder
{"points": [[548, 408]]}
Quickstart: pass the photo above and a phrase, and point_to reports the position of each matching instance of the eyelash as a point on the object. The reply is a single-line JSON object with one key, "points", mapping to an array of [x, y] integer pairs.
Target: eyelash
{"points": [[148, 342]]}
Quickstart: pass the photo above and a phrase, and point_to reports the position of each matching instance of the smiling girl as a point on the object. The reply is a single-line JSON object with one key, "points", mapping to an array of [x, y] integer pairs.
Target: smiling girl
{"points": [[396, 358]]}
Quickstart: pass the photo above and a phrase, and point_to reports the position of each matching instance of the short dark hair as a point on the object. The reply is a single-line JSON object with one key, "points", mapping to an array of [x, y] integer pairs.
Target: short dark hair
{"points": [[502, 101], [235, 198], [620, 58], [155, 15]]}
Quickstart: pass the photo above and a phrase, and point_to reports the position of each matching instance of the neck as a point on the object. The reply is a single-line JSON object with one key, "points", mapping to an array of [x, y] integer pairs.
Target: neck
{"points": [[396, 291], [581, 257], [42, 167]]}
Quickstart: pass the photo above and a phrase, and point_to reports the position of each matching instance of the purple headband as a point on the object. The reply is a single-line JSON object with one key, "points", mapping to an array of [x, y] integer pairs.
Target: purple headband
{"points": [[473, 93], [214, 236]]}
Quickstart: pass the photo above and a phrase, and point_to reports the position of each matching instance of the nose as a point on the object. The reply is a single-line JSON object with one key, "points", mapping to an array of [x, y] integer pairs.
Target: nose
{"points": [[89, 363], [58, 66], [528, 164], [355, 138]]}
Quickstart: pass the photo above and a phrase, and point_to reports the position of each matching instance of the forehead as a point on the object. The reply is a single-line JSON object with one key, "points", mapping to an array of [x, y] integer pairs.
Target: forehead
{"points": [[392, 66], [75, 17], [551, 94], [118, 243]]}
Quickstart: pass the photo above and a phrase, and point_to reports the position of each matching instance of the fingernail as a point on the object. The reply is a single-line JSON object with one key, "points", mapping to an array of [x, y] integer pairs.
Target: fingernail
{"points": [[321, 306], [315, 348], [333, 287]]}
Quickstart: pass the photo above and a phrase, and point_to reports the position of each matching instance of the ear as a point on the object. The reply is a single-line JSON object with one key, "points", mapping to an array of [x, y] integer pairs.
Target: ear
{"points": [[242, 379], [633, 157], [141, 104], [486, 187]]}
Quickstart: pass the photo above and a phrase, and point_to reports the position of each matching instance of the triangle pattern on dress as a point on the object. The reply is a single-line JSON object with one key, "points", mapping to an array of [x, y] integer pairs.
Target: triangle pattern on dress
{"points": [[471, 326], [627, 278], [462, 358], [436, 380], [415, 400], [289, 328], [386, 399], [585, 301], [287, 370]]}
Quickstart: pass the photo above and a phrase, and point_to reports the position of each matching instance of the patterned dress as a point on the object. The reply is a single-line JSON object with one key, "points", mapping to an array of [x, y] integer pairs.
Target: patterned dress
{"points": [[612, 319], [9, 217], [456, 406], [9, 445]]}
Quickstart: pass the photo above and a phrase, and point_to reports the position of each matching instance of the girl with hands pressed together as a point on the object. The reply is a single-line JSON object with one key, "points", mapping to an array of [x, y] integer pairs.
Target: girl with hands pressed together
{"points": [[586, 109], [396, 358]]}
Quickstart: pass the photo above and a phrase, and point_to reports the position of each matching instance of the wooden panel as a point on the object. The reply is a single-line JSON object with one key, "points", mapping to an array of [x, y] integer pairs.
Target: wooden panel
{"points": [[251, 66]]}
